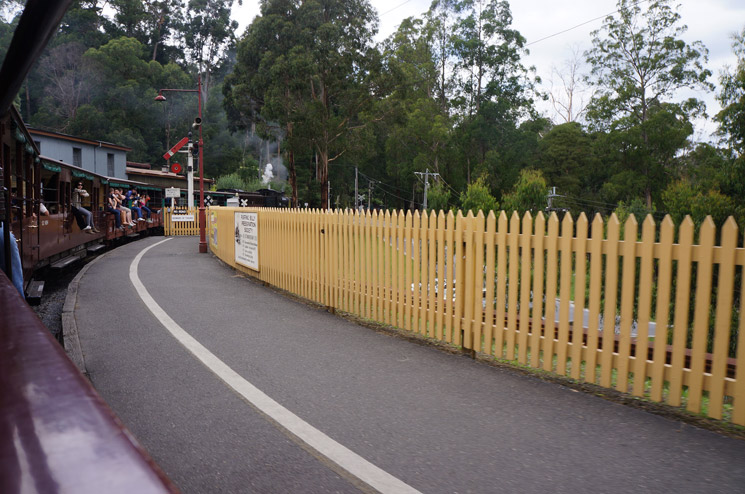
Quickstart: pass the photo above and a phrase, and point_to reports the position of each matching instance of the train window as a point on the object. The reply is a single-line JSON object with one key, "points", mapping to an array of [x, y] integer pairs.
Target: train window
{"points": [[110, 171], [50, 190], [77, 157], [38, 145]]}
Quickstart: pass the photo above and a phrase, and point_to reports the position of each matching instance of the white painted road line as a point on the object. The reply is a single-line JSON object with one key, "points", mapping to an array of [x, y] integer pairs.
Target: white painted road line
{"points": [[342, 456]]}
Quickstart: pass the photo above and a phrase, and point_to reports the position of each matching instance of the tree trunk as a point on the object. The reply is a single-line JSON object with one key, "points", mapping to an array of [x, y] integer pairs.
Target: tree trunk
{"points": [[291, 168], [323, 174]]}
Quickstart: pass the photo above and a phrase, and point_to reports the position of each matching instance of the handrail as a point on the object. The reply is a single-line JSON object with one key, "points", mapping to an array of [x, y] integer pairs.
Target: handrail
{"points": [[56, 433]]}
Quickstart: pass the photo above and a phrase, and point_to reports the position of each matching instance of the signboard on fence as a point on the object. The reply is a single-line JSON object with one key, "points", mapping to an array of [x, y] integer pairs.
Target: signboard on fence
{"points": [[213, 223], [182, 215], [247, 240]]}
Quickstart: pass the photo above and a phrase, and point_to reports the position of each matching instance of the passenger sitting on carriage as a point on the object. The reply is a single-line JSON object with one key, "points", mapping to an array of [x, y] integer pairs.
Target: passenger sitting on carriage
{"points": [[142, 203], [126, 212], [134, 204], [145, 199], [111, 207], [83, 215]]}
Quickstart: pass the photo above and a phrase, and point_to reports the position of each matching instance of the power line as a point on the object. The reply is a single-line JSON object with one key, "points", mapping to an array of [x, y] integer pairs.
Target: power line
{"points": [[394, 8], [583, 23]]}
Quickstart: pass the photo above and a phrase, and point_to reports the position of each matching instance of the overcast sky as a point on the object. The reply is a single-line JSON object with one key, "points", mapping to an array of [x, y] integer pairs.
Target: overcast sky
{"points": [[709, 21]]}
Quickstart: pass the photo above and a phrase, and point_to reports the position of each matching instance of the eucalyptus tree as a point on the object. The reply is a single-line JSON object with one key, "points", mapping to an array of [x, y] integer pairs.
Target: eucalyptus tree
{"points": [[493, 90], [415, 126], [732, 98], [313, 59], [207, 35], [732, 121], [152, 22], [639, 61], [266, 88]]}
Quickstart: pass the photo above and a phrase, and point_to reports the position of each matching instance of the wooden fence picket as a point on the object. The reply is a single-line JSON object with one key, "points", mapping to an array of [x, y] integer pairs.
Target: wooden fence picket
{"points": [[644, 307]]}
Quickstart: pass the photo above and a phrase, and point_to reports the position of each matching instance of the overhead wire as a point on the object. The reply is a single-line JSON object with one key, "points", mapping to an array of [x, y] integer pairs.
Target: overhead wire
{"points": [[583, 23], [394, 8]]}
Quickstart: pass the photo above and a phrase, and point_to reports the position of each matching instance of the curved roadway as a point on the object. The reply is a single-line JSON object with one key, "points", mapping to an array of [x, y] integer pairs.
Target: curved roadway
{"points": [[232, 387]]}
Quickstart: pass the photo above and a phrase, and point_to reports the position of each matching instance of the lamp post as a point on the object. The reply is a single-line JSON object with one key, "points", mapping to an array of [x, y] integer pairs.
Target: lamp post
{"points": [[202, 214]]}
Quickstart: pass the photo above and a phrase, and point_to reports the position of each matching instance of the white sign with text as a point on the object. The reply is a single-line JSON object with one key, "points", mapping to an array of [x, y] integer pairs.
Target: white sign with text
{"points": [[247, 240]]}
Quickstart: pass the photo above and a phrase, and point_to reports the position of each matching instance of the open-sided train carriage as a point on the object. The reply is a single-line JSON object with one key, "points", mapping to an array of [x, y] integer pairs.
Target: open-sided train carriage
{"points": [[35, 183]]}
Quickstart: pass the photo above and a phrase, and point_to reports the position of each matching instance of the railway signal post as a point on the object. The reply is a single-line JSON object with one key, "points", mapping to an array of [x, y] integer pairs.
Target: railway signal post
{"points": [[197, 125]]}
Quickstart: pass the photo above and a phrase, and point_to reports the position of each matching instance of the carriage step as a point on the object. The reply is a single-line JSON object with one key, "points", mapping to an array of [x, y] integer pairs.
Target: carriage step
{"points": [[63, 263], [95, 248], [133, 235], [34, 292]]}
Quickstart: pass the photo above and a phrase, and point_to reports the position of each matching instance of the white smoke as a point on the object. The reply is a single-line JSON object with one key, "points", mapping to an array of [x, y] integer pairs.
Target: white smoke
{"points": [[268, 174]]}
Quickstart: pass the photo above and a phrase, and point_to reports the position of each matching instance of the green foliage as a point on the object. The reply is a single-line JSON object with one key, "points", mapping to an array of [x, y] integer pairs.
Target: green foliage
{"points": [[638, 60], [636, 206], [732, 98], [567, 159], [478, 198], [529, 193], [438, 197], [682, 199], [232, 181]]}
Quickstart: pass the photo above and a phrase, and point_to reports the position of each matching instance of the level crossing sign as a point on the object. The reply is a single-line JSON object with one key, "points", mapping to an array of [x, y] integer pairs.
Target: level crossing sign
{"points": [[244, 202]]}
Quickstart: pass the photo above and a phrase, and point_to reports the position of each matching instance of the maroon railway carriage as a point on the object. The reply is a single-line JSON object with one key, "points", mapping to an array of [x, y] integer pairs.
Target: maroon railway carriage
{"points": [[31, 180]]}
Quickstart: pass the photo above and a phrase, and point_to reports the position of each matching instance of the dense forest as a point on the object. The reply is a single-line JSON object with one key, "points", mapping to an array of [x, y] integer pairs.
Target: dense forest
{"points": [[444, 106]]}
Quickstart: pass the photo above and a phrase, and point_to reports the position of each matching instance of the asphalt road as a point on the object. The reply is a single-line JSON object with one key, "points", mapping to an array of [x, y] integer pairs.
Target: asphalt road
{"points": [[435, 421]]}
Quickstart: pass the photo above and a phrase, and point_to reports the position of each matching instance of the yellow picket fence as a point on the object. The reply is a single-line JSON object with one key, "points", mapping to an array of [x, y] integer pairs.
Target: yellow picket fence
{"points": [[181, 221], [536, 291]]}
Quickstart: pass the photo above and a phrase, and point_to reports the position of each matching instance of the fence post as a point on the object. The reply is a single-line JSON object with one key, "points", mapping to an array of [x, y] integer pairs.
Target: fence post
{"points": [[580, 283], [705, 259], [611, 292], [682, 298], [644, 305], [513, 282], [538, 268], [442, 297], [501, 283], [627, 302], [664, 282], [525, 274], [725, 294], [565, 288], [477, 238], [468, 279], [415, 262], [549, 331], [490, 241]]}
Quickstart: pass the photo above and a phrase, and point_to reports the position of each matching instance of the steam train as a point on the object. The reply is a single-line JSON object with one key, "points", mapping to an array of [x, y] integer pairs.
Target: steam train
{"points": [[33, 183]]}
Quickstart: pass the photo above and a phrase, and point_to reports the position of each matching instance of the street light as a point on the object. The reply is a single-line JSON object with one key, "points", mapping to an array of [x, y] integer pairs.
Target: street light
{"points": [[202, 214]]}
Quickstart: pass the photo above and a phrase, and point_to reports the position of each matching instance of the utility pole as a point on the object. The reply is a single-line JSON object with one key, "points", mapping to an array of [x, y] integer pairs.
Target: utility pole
{"points": [[369, 194], [551, 195], [356, 193], [426, 175]]}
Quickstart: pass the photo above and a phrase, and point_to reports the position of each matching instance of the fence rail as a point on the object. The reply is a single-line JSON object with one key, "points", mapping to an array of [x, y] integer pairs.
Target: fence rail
{"points": [[532, 290]]}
